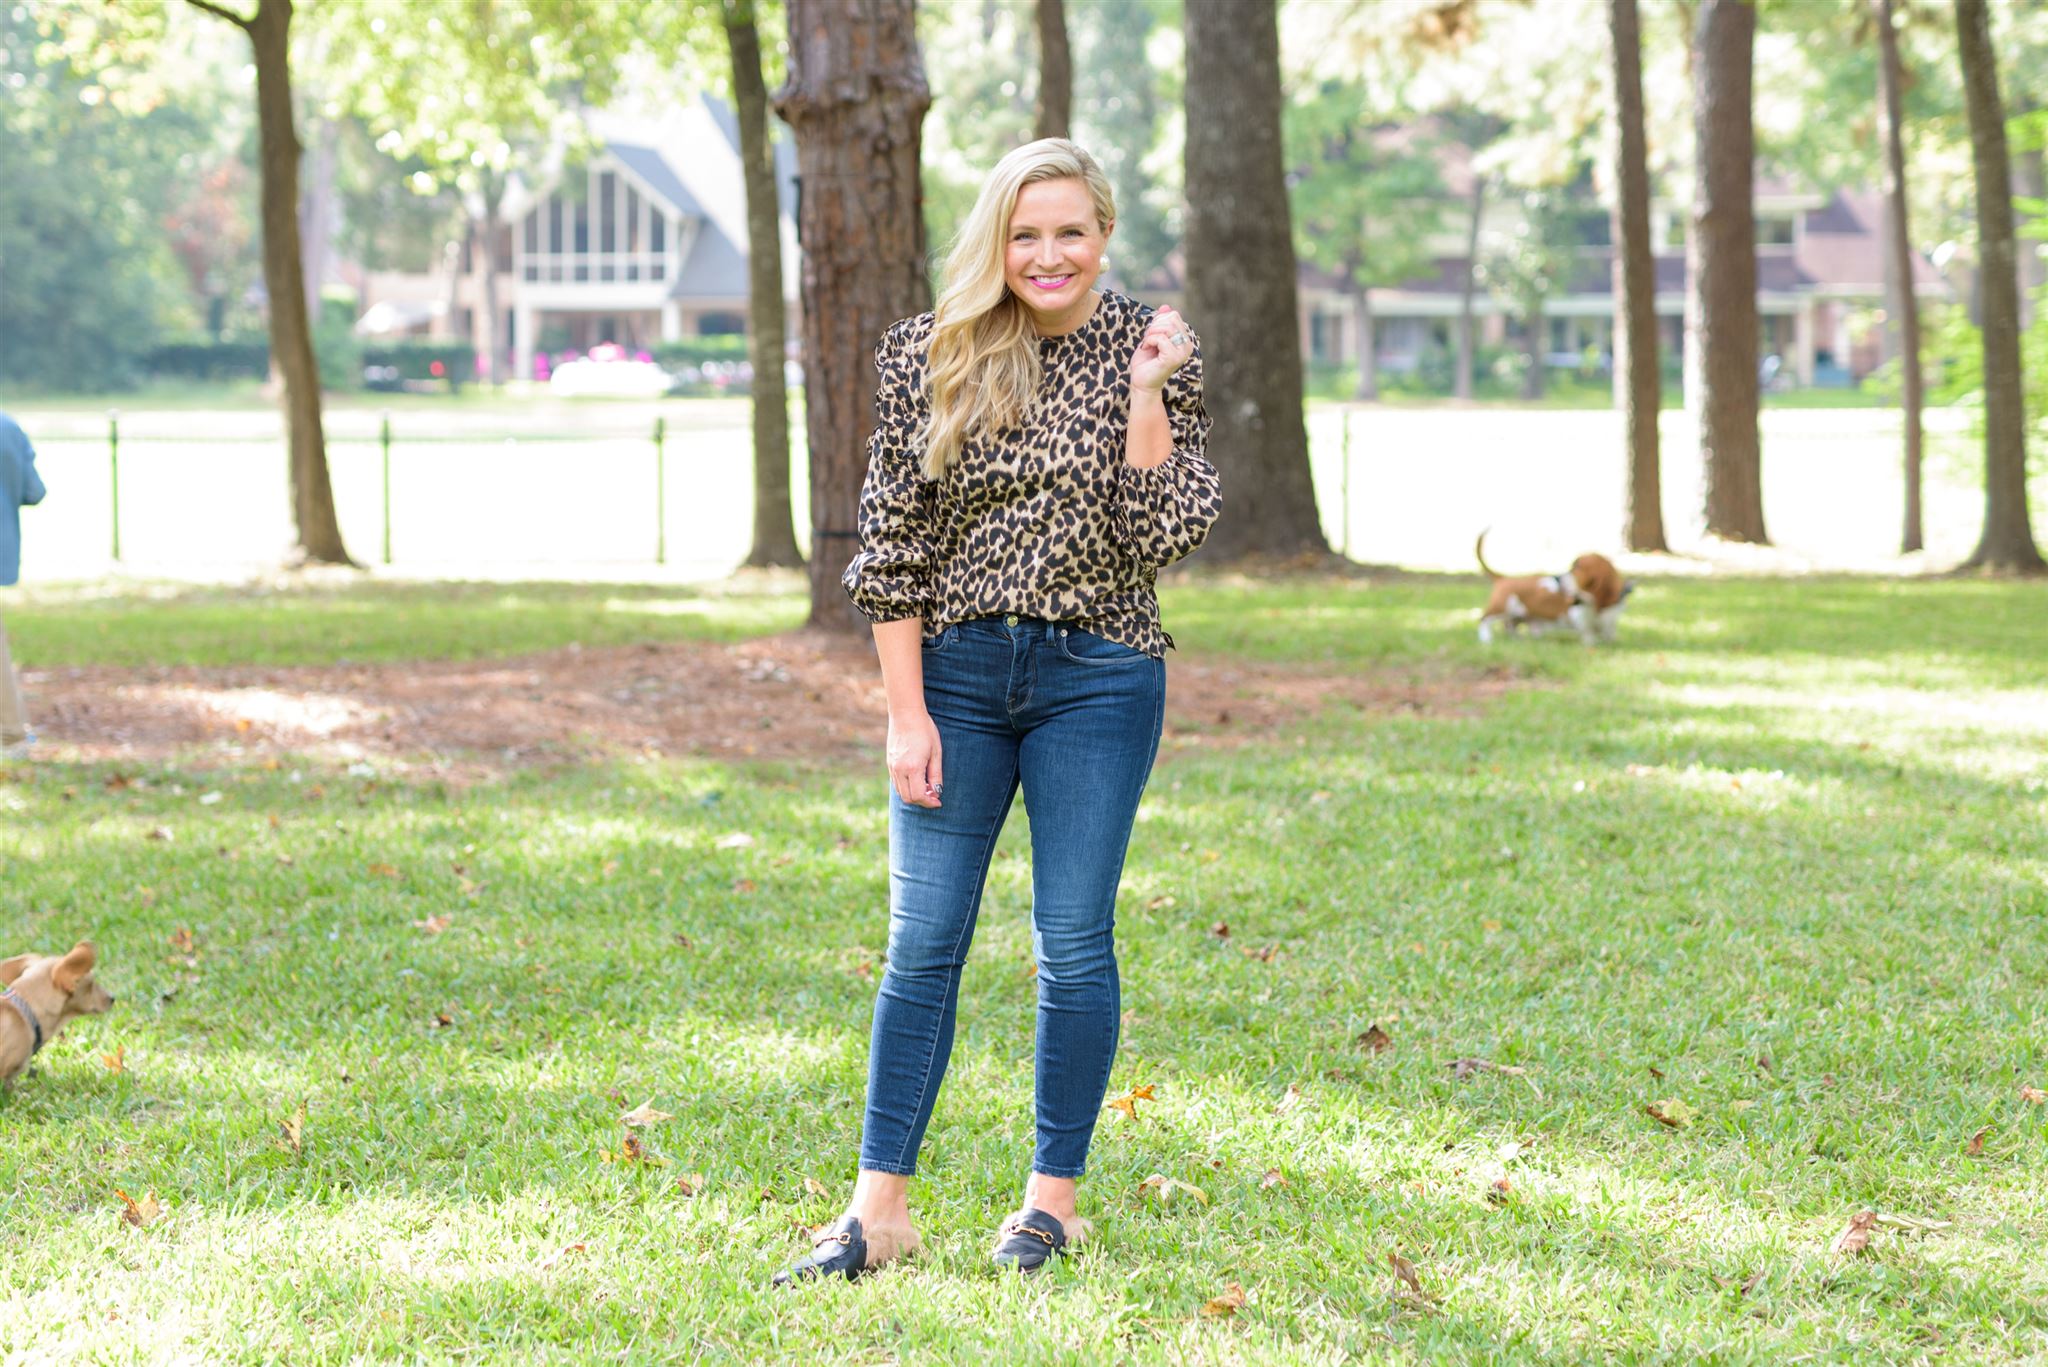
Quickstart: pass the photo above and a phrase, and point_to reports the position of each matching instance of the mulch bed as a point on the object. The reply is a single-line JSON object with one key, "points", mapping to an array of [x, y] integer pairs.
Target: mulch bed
{"points": [[800, 696]]}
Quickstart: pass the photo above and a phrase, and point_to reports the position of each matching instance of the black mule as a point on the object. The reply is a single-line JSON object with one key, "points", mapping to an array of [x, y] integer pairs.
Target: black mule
{"points": [[1030, 1241], [841, 1251]]}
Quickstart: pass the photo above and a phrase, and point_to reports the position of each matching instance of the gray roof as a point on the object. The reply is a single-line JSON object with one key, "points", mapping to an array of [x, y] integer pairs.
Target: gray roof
{"points": [[715, 269], [654, 171]]}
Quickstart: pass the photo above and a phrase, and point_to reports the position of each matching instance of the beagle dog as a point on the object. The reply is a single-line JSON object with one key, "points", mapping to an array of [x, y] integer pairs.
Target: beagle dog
{"points": [[40, 995], [1588, 598]]}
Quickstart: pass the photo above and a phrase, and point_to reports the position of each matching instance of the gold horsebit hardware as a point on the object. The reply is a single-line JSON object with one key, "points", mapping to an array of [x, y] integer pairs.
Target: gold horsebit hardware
{"points": [[1019, 1227]]}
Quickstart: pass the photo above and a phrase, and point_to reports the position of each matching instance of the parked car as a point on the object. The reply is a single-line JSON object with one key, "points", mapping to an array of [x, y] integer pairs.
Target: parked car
{"points": [[608, 371]]}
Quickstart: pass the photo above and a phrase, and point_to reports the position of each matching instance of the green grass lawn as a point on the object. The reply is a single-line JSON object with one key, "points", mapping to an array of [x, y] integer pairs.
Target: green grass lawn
{"points": [[1780, 858]]}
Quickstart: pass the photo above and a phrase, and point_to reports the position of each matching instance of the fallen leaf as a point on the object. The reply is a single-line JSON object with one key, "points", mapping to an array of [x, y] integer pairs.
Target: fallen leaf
{"points": [[1273, 1178], [560, 1254], [1763, 1063], [738, 840], [468, 887], [1856, 1237], [689, 1184], [633, 1151], [1229, 1303], [1263, 953], [1464, 1068], [744, 885], [611, 866], [1670, 1111], [1741, 1104], [159, 833], [1489, 925], [645, 1114], [384, 870], [2033, 1094], [1290, 1100], [139, 1213], [293, 1130], [1375, 1040], [1976, 1146], [1751, 1282], [1221, 930], [815, 1187], [1164, 1187], [1128, 1103], [1656, 1072], [116, 1061], [181, 940], [442, 1020], [1501, 1189], [434, 925], [1405, 1270]]}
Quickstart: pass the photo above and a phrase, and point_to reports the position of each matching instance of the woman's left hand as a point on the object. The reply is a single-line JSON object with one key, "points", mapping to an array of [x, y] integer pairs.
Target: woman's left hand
{"points": [[1166, 346]]}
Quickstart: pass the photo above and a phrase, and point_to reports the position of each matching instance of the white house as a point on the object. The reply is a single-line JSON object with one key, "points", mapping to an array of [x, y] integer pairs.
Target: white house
{"points": [[645, 241]]}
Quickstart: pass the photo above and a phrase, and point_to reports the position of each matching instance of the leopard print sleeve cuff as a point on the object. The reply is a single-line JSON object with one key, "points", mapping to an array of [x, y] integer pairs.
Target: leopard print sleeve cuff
{"points": [[1164, 513], [890, 578]]}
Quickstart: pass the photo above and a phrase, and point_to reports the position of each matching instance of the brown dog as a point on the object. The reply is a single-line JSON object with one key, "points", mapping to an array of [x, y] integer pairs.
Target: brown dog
{"points": [[1588, 597], [39, 996]]}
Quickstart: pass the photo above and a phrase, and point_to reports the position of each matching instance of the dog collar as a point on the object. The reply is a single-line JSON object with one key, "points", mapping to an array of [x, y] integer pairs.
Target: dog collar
{"points": [[35, 1027]]}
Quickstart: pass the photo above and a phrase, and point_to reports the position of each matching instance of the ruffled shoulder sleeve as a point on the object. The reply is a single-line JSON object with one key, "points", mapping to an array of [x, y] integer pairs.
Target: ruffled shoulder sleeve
{"points": [[890, 577]]}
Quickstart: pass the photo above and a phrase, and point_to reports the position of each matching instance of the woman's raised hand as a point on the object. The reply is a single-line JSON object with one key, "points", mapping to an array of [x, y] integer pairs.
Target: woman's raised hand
{"points": [[914, 759], [1165, 348]]}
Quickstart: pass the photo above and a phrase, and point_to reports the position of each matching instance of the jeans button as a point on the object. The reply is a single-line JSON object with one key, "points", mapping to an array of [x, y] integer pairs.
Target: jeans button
{"points": [[1010, 620]]}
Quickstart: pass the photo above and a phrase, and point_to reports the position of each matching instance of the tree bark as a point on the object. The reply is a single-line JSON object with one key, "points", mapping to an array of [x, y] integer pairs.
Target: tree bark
{"points": [[1461, 382], [767, 325], [856, 98], [316, 210], [1241, 282], [1902, 306], [1533, 347], [1638, 379], [1724, 284], [2029, 181], [1368, 386], [2008, 539], [496, 365], [284, 280], [1055, 114]]}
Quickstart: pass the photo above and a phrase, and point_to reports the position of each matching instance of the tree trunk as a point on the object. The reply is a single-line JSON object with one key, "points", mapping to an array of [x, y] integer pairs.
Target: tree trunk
{"points": [[1724, 286], [856, 98], [284, 280], [1638, 381], [1532, 350], [1461, 383], [2008, 539], [1055, 72], [1368, 386], [1902, 306], [1241, 282], [2030, 182], [496, 366], [774, 524], [316, 211]]}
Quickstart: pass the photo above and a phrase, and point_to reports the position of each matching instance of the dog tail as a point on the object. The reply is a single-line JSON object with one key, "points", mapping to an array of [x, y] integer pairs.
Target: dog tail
{"points": [[1479, 554]]}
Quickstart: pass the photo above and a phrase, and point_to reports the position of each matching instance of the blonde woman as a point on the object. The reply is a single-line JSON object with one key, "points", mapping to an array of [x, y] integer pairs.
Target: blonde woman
{"points": [[1037, 458]]}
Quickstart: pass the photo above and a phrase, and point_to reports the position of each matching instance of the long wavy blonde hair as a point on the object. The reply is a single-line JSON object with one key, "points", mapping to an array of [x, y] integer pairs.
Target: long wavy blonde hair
{"points": [[983, 367]]}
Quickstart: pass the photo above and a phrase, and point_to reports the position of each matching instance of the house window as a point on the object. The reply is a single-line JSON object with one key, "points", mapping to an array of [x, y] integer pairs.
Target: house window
{"points": [[1774, 231], [632, 219], [607, 229], [658, 237]]}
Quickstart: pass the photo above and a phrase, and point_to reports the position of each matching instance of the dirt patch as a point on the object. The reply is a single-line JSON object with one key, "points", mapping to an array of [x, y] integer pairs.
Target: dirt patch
{"points": [[798, 696]]}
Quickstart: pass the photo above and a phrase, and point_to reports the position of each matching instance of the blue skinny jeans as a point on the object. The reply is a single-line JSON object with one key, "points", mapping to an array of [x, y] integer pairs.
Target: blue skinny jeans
{"points": [[1073, 719]]}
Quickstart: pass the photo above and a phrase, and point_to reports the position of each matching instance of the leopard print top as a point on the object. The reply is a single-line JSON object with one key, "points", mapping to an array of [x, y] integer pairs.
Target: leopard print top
{"points": [[1045, 519]]}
